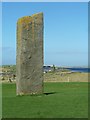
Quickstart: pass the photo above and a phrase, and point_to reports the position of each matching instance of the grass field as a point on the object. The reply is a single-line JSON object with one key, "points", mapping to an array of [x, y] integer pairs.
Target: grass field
{"points": [[61, 100]]}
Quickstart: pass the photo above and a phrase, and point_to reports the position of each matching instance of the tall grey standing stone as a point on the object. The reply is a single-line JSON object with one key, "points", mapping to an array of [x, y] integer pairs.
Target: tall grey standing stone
{"points": [[29, 65]]}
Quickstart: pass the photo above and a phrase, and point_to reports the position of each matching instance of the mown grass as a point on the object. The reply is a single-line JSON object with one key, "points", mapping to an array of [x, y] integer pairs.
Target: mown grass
{"points": [[62, 100]]}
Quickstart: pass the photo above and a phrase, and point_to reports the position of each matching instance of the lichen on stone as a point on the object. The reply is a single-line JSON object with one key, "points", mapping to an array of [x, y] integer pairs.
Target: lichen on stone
{"points": [[25, 20]]}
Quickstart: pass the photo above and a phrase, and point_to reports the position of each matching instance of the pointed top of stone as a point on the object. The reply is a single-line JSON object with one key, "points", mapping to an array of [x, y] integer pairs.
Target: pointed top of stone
{"points": [[24, 19], [27, 19], [41, 13]]}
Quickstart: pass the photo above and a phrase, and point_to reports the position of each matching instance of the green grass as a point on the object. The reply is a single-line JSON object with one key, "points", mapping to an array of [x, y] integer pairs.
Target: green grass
{"points": [[64, 100], [0, 101]]}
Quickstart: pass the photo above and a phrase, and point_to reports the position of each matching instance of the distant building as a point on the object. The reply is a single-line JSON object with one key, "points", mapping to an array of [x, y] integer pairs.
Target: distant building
{"points": [[47, 69]]}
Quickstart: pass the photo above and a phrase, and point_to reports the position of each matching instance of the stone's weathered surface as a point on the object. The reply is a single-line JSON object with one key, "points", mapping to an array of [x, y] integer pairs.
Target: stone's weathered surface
{"points": [[30, 55]]}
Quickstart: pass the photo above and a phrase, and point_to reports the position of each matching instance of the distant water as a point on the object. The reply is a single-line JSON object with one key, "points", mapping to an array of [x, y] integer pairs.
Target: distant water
{"points": [[79, 69]]}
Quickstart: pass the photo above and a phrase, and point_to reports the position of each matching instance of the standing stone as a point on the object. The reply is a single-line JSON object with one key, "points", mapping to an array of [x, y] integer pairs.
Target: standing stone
{"points": [[29, 66]]}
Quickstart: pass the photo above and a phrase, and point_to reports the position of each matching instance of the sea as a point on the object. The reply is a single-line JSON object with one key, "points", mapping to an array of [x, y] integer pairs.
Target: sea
{"points": [[79, 69]]}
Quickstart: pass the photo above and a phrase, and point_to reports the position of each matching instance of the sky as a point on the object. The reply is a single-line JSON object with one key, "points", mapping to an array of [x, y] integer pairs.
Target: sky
{"points": [[45, 0], [65, 31]]}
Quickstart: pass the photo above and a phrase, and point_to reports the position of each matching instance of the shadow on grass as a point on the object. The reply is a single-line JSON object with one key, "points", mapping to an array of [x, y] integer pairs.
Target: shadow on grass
{"points": [[45, 93], [49, 93]]}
